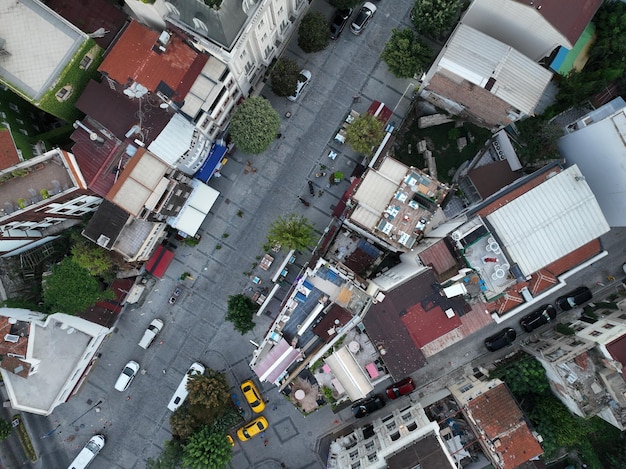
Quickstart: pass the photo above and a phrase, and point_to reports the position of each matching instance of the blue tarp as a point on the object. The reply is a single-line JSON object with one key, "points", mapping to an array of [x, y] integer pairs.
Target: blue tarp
{"points": [[559, 59], [214, 157]]}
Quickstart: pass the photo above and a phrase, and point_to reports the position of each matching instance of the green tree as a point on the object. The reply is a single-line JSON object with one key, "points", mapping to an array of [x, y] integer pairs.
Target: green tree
{"points": [[254, 125], [292, 232], [405, 54], [537, 140], [208, 448], [240, 312], [523, 376], [98, 261], [284, 77], [313, 33], [170, 457], [343, 4], [5, 429], [365, 133], [70, 289], [435, 17], [184, 423], [208, 390]]}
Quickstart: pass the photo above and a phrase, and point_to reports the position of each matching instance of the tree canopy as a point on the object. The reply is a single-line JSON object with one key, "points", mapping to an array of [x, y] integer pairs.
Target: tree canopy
{"points": [[405, 54], [254, 125], [343, 4], [292, 231], [435, 17], [170, 457], [207, 448], [70, 289], [5, 429], [240, 312], [96, 260], [314, 32], [365, 132], [284, 77]]}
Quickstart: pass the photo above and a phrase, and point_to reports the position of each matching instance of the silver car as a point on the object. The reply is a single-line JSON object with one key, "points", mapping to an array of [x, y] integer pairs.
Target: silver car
{"points": [[303, 79]]}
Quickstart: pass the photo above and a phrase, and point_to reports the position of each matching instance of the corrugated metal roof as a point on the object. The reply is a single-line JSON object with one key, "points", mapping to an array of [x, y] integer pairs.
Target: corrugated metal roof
{"points": [[393, 169], [174, 140], [485, 61], [350, 374], [193, 213], [373, 196], [549, 221]]}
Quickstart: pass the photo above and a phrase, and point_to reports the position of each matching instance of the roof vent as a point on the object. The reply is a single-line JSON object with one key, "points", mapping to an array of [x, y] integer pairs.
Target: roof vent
{"points": [[103, 241], [11, 338], [164, 38]]}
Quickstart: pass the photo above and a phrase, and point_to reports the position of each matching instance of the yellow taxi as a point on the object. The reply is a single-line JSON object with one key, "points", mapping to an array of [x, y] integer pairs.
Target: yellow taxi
{"points": [[252, 429], [253, 396]]}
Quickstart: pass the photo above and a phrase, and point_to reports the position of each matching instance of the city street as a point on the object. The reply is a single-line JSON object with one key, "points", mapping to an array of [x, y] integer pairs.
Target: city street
{"points": [[136, 422]]}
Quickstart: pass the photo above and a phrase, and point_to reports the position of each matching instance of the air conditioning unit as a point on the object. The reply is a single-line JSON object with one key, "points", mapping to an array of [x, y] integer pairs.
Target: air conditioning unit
{"points": [[11, 338]]}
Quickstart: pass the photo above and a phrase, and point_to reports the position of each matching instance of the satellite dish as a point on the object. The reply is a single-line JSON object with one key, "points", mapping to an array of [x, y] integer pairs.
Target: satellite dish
{"points": [[136, 90], [164, 105]]}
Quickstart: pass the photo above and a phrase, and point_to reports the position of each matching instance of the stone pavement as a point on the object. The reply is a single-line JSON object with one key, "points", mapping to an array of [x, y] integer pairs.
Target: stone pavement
{"points": [[136, 422]]}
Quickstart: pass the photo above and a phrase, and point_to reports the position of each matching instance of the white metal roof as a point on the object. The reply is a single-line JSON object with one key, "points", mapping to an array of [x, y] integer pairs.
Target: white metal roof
{"points": [[193, 213], [373, 196], [174, 140], [599, 150], [349, 374], [549, 221], [476, 57]]}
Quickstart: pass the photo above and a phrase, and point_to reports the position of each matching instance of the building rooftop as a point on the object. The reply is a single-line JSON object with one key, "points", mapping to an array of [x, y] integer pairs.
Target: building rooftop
{"points": [[106, 224], [160, 62], [8, 153], [37, 59]]}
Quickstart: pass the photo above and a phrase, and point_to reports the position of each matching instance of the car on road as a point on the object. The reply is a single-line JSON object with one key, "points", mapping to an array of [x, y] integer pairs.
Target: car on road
{"points": [[181, 392], [126, 376], [339, 22], [402, 387], [574, 298], [253, 396], [303, 79], [543, 315], [363, 17], [150, 333], [252, 429], [501, 339], [175, 294], [88, 453], [367, 406]]}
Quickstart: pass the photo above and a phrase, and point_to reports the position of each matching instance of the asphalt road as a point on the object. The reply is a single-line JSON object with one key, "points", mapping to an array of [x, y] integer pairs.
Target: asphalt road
{"points": [[136, 422]]}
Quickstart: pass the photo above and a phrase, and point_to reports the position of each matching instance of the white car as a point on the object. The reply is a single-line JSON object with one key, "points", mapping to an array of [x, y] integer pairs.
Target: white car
{"points": [[181, 392], [303, 79], [88, 453], [126, 376], [150, 334], [363, 17]]}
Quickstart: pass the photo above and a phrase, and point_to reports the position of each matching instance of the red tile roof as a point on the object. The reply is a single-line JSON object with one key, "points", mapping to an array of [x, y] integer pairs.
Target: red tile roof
{"points": [[105, 312], [497, 414], [617, 349], [426, 326], [569, 17], [576, 257], [439, 257], [133, 59], [8, 152]]}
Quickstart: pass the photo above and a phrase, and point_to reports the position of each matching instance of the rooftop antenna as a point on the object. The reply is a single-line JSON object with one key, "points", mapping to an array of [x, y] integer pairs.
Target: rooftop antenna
{"points": [[137, 90]]}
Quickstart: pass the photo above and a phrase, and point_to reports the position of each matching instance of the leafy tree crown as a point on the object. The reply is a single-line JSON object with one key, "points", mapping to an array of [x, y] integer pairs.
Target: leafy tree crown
{"points": [[254, 125]]}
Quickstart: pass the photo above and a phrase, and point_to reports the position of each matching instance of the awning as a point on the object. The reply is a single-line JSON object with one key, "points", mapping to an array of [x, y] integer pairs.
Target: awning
{"points": [[276, 362], [350, 374], [159, 261], [213, 159], [195, 210]]}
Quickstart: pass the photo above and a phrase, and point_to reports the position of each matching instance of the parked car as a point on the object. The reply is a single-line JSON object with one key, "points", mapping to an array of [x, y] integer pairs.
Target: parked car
{"points": [[539, 317], [88, 453], [501, 339], [362, 18], [574, 298], [303, 79], [253, 428], [400, 388], [253, 396], [175, 294], [367, 406], [181, 392], [150, 333], [339, 22], [126, 376]]}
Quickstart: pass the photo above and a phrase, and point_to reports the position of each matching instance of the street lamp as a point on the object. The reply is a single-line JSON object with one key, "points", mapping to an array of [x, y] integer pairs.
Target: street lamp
{"points": [[410, 85], [75, 420]]}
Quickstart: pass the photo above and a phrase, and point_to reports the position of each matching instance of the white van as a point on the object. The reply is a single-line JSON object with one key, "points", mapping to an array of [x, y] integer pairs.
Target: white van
{"points": [[150, 334], [88, 453], [181, 392]]}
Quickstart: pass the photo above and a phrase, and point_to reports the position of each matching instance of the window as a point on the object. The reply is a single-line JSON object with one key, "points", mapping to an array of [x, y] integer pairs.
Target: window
{"points": [[280, 10], [391, 425], [372, 457], [64, 93], [395, 436], [467, 387], [243, 55], [268, 51], [261, 23], [608, 326], [24, 131], [354, 455], [411, 426], [13, 107], [85, 62], [283, 25], [596, 333], [249, 67], [19, 121], [356, 465], [406, 417], [369, 446], [264, 38]]}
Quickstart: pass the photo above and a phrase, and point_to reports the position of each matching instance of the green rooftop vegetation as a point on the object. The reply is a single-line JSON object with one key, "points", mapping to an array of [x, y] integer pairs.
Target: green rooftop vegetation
{"points": [[74, 79]]}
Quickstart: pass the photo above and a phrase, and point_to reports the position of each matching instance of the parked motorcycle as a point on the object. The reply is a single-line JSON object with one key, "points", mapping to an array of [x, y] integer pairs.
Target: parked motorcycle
{"points": [[320, 174], [311, 188], [305, 202]]}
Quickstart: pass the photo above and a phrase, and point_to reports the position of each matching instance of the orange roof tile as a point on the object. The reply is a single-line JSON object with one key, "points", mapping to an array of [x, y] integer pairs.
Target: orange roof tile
{"points": [[17, 349], [498, 415], [574, 258], [8, 152], [134, 58]]}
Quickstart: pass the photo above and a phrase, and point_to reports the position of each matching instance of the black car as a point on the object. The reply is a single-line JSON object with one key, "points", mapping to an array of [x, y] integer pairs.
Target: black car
{"points": [[501, 339], [538, 318], [367, 406], [339, 22], [576, 297]]}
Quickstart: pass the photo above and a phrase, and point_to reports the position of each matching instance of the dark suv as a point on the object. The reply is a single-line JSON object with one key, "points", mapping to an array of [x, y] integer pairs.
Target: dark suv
{"points": [[576, 297], [339, 22], [538, 318], [501, 339], [367, 406]]}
